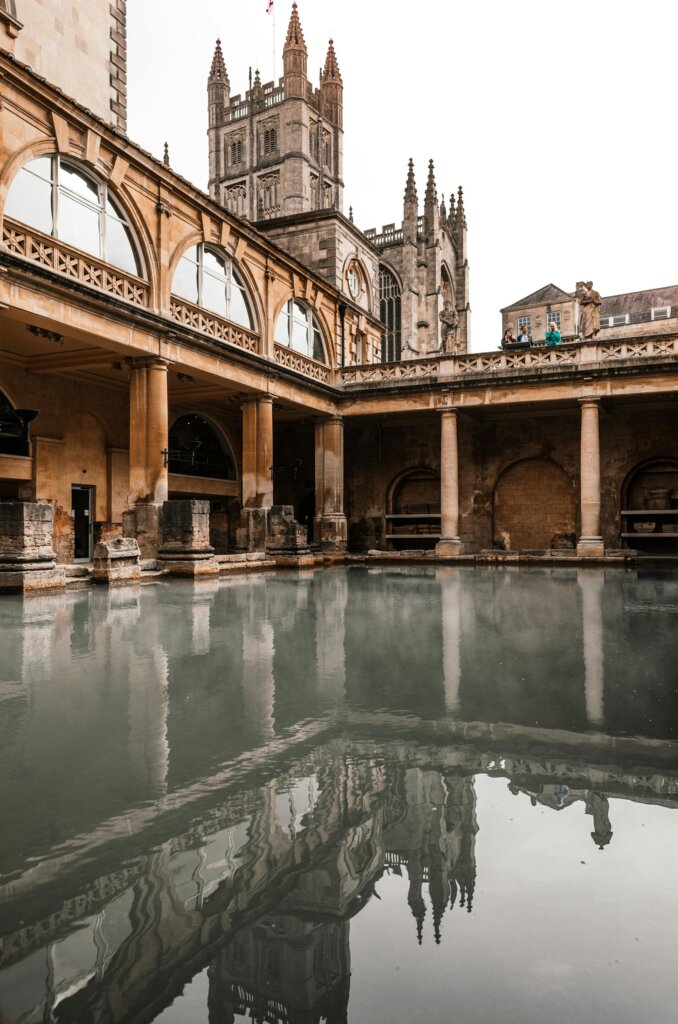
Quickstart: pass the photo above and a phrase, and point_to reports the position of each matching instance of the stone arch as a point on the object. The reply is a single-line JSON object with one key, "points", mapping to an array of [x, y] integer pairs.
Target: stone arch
{"points": [[534, 506], [368, 286], [654, 474], [141, 236], [253, 295], [416, 489], [219, 436], [14, 427], [447, 284]]}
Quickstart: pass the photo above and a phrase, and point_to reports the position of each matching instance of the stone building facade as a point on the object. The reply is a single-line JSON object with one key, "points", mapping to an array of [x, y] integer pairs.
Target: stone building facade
{"points": [[176, 351], [627, 315]]}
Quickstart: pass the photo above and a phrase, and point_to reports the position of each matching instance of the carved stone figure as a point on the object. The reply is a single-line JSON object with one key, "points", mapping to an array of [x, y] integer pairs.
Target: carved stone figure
{"points": [[449, 326], [590, 302]]}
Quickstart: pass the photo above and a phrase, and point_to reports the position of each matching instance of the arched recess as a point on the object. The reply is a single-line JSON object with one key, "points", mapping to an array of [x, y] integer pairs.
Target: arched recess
{"points": [[534, 506], [242, 274], [447, 285], [14, 427], [199, 447], [364, 296], [86, 205], [415, 490], [652, 487]]}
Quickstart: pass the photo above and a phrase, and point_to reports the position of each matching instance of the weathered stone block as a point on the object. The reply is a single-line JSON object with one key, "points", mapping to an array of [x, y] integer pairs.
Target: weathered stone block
{"points": [[253, 530], [27, 558], [185, 528], [285, 534], [116, 561], [143, 523]]}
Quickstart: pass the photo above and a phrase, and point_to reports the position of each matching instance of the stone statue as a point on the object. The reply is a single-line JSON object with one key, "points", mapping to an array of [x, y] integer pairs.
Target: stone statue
{"points": [[449, 326], [590, 302]]}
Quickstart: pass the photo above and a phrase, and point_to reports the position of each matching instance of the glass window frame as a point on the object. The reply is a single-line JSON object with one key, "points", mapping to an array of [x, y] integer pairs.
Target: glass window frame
{"points": [[298, 314], [390, 314], [106, 206], [553, 316], [231, 279]]}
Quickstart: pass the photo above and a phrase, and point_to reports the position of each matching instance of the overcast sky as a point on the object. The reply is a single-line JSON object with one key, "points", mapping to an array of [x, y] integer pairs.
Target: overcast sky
{"points": [[557, 117]]}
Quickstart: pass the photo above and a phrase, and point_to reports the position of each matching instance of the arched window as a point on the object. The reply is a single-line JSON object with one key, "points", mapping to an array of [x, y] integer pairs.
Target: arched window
{"points": [[14, 428], [55, 196], [298, 328], [389, 311], [195, 449], [208, 278]]}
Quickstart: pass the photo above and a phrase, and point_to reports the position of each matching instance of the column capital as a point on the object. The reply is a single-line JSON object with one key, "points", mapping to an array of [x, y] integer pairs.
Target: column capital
{"points": [[590, 400], [448, 410], [148, 363]]}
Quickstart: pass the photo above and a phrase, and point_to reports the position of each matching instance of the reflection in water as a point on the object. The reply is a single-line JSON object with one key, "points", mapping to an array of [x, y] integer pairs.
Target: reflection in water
{"points": [[218, 793]]}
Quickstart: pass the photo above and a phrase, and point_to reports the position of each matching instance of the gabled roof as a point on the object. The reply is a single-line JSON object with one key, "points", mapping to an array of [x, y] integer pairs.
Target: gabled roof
{"points": [[549, 293], [639, 302]]}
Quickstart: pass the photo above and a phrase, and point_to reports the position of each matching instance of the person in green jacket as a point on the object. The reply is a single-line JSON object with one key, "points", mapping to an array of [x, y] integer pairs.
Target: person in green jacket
{"points": [[552, 335]]}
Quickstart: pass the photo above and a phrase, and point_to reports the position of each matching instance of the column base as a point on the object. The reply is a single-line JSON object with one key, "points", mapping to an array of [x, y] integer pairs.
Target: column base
{"points": [[449, 547], [252, 533], [142, 523], [334, 534], [189, 565], [590, 547], [25, 578]]}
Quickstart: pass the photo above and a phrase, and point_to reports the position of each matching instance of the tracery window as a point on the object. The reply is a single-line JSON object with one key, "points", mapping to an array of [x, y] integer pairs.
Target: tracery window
{"points": [[298, 328], [390, 314], [55, 196], [207, 278], [236, 151]]}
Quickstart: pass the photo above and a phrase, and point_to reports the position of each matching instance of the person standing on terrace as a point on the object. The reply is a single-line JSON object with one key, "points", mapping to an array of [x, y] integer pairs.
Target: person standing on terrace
{"points": [[553, 335]]}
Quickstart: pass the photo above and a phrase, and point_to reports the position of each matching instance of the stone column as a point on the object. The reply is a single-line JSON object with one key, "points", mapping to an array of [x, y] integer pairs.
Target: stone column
{"points": [[149, 438], [449, 543], [590, 541], [330, 526], [257, 475], [157, 431]]}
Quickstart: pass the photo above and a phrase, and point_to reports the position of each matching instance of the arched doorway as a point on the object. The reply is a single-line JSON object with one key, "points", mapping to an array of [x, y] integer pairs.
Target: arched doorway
{"points": [[413, 509], [649, 507], [534, 507]]}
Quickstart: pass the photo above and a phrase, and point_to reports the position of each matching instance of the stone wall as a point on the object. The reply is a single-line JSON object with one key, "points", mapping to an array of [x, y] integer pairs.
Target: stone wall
{"points": [[80, 47]]}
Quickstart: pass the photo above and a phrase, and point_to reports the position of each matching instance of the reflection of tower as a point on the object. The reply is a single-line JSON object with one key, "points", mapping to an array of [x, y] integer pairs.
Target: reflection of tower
{"points": [[257, 648], [450, 587], [462, 826], [330, 632], [598, 806], [591, 583]]}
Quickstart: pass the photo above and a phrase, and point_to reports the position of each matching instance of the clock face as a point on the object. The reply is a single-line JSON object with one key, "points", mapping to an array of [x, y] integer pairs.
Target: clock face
{"points": [[353, 282]]}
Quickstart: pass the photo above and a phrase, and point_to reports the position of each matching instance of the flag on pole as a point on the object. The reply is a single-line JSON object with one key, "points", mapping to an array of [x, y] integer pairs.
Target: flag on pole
{"points": [[269, 6]]}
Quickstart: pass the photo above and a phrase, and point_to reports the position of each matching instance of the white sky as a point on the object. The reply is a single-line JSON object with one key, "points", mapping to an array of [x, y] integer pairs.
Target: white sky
{"points": [[558, 118]]}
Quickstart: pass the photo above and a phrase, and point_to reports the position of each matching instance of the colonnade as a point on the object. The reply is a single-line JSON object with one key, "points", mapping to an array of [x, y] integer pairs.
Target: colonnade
{"points": [[149, 455], [590, 542]]}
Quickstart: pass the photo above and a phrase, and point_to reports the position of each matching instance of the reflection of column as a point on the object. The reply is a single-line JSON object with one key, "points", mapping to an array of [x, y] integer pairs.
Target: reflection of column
{"points": [[330, 521], [590, 540], [330, 633], [449, 543], [258, 681], [204, 592], [450, 587], [148, 746], [591, 582]]}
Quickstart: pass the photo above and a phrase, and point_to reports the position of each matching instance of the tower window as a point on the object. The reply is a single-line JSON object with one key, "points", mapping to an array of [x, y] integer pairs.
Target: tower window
{"points": [[389, 308], [236, 151], [270, 140]]}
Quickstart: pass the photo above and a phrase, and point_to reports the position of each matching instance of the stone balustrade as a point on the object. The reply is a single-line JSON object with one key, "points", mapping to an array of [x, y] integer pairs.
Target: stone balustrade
{"points": [[198, 319]]}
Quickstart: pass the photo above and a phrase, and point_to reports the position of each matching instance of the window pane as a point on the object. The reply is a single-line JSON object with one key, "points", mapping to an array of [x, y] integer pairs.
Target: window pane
{"points": [[215, 265], [119, 247], [214, 295], [282, 328], [318, 352], [185, 281], [300, 314], [78, 224], [30, 200], [239, 312], [300, 336], [71, 179]]}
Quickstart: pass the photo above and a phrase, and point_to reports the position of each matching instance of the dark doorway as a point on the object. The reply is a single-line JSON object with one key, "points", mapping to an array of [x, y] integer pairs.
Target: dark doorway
{"points": [[82, 511]]}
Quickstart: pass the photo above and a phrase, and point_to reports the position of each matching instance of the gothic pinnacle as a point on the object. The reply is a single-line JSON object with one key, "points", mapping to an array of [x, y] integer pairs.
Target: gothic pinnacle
{"points": [[295, 35], [410, 186], [431, 196], [452, 208], [218, 69], [461, 213], [165, 156], [331, 69]]}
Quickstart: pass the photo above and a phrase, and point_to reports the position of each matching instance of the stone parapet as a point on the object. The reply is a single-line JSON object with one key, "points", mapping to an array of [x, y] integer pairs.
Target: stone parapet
{"points": [[116, 561]]}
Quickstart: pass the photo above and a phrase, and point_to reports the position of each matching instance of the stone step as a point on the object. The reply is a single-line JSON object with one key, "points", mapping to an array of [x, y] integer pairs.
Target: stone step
{"points": [[77, 570]]}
